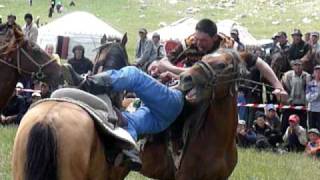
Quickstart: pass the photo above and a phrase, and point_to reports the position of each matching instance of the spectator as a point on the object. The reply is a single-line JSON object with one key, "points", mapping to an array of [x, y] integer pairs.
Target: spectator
{"points": [[14, 111], [59, 7], [245, 137], [313, 146], [79, 62], [45, 90], [30, 29], [50, 49], [11, 21], [145, 51], [313, 97], [262, 130], [235, 35], [158, 46], [272, 118], [295, 137], [299, 48], [36, 97], [314, 41], [51, 8], [294, 82], [307, 37], [274, 48], [283, 42]]}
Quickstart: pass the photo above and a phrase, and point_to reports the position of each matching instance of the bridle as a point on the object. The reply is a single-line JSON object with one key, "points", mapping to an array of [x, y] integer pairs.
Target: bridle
{"points": [[38, 75], [212, 74]]}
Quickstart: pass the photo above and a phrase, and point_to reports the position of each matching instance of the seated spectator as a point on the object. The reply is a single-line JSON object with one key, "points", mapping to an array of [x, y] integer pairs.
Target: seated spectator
{"points": [[245, 137], [79, 62], [295, 137], [14, 111], [272, 118], [50, 50], [262, 130], [145, 51], [45, 90], [313, 97], [313, 146], [314, 41], [36, 97]]}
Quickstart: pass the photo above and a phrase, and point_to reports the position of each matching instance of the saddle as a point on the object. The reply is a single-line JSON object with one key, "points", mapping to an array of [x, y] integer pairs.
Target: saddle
{"points": [[100, 109]]}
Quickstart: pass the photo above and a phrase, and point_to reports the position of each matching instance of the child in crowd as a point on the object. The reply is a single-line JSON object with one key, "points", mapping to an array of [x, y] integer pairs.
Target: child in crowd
{"points": [[313, 146]]}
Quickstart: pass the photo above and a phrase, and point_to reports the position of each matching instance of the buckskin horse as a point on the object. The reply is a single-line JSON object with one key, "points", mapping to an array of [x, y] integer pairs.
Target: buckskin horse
{"points": [[59, 140], [209, 151]]}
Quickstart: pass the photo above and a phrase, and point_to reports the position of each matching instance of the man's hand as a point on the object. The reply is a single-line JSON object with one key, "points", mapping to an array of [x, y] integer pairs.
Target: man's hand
{"points": [[281, 95], [160, 66], [168, 76]]}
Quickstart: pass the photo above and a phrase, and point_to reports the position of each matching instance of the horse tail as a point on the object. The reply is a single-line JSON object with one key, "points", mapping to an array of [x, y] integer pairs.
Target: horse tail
{"points": [[41, 163]]}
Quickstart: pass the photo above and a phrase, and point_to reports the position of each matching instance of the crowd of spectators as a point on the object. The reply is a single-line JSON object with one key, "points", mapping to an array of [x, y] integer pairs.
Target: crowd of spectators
{"points": [[293, 129]]}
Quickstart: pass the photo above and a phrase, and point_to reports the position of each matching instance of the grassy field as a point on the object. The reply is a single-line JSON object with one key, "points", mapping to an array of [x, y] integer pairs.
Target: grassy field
{"points": [[261, 17], [253, 165]]}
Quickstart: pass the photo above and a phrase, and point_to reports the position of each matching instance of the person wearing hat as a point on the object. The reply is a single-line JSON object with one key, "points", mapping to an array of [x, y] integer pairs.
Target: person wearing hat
{"points": [[158, 46], [272, 118], [235, 35], [11, 22], [313, 98], [314, 38], [295, 137], [262, 130], [299, 49], [313, 146], [145, 50], [283, 42], [274, 48], [36, 96], [295, 82], [245, 136], [79, 62], [30, 29]]}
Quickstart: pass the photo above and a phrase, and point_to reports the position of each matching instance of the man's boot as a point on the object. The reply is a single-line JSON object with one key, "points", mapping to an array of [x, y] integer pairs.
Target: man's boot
{"points": [[97, 84]]}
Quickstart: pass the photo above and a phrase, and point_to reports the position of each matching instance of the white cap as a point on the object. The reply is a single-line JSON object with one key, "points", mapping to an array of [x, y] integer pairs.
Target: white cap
{"points": [[19, 85], [242, 122], [36, 94]]}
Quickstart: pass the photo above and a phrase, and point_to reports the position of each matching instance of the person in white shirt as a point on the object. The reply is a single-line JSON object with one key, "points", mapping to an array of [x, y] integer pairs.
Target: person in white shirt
{"points": [[30, 29]]}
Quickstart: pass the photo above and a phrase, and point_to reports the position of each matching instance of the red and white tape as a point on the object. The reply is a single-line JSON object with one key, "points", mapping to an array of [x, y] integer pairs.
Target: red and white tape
{"points": [[277, 106], [28, 90]]}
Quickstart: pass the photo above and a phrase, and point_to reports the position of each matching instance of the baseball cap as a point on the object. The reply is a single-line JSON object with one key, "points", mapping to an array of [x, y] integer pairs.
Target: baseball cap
{"points": [[314, 130], [296, 32], [314, 34], [19, 85], [270, 107], [317, 67], [242, 122], [234, 31], [36, 94], [260, 114], [143, 30], [294, 118]]}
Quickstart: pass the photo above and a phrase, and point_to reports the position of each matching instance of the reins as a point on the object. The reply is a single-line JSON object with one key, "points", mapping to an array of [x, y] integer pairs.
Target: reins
{"points": [[39, 75]]}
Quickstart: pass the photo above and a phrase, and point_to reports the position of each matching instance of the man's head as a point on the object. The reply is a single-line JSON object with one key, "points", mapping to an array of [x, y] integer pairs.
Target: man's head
{"points": [[282, 37], [44, 88], [49, 49], [156, 38], [28, 18], [260, 119], [316, 72], [11, 19], [275, 38], [297, 66], [307, 36], [206, 35], [314, 37], [35, 97], [241, 125], [78, 52], [294, 120], [313, 134], [19, 88], [143, 33], [234, 34], [296, 36], [271, 111]]}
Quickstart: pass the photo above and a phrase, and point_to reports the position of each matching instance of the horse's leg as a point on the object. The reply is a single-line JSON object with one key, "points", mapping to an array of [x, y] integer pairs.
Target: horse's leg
{"points": [[156, 162]]}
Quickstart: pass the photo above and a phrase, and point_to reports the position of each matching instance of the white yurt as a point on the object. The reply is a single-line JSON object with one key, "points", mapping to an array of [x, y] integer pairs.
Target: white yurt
{"points": [[73, 29], [181, 29]]}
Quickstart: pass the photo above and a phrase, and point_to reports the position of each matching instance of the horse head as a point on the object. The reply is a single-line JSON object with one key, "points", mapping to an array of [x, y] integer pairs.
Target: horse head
{"points": [[211, 78], [111, 55], [26, 58]]}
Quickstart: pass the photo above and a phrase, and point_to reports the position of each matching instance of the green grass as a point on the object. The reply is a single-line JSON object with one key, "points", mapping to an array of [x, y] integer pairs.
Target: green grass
{"points": [[124, 14], [252, 165]]}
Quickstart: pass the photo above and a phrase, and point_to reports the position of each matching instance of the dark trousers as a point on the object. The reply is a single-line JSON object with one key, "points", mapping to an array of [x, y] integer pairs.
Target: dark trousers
{"points": [[314, 120], [285, 118], [294, 144]]}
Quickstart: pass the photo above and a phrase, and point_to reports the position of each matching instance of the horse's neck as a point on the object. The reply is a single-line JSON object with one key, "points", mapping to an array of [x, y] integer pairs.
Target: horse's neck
{"points": [[8, 80]]}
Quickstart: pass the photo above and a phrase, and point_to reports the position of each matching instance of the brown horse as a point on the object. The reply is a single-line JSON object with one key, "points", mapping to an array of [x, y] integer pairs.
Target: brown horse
{"points": [[23, 58], [58, 140], [209, 150]]}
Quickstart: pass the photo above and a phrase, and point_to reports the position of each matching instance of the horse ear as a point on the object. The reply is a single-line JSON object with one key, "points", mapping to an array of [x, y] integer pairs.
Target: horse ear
{"points": [[124, 40]]}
